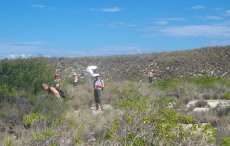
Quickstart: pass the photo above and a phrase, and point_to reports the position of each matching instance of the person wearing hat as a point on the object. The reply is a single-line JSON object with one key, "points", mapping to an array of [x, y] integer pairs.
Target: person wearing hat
{"points": [[98, 85]]}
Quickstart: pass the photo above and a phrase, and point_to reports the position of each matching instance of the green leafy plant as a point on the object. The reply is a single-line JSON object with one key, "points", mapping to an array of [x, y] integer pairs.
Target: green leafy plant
{"points": [[40, 136], [151, 122], [227, 96], [225, 141], [33, 118], [203, 81], [167, 83], [9, 142], [26, 74]]}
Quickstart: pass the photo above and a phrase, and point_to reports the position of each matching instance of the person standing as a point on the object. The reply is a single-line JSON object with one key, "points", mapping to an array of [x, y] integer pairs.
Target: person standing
{"points": [[150, 75], [98, 85], [57, 80], [75, 79], [57, 84]]}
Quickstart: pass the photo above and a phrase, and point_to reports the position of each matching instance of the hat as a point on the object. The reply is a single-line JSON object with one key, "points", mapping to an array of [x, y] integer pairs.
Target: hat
{"points": [[97, 75]]}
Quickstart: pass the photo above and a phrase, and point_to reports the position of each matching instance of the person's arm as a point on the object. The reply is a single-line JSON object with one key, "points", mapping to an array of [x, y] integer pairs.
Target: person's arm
{"points": [[102, 84]]}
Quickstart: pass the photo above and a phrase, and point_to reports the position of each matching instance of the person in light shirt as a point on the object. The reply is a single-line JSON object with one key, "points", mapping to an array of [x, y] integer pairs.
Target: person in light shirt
{"points": [[75, 79], [98, 86]]}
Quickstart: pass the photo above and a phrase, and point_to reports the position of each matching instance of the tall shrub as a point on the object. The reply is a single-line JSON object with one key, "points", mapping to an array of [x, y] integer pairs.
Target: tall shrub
{"points": [[25, 74]]}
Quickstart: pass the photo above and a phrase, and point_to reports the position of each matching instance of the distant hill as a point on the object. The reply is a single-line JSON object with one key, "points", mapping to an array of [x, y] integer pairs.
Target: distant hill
{"points": [[204, 61]]}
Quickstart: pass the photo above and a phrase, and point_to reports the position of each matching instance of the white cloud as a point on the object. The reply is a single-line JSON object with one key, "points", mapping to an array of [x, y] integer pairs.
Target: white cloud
{"points": [[13, 50], [162, 22], [219, 43], [212, 17], [21, 48], [39, 6], [173, 19], [111, 10], [227, 12], [198, 7], [197, 31], [117, 24], [12, 56], [123, 25], [115, 50], [15, 56]]}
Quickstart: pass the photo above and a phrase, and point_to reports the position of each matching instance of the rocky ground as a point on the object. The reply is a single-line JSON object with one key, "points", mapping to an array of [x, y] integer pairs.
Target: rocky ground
{"points": [[205, 61]]}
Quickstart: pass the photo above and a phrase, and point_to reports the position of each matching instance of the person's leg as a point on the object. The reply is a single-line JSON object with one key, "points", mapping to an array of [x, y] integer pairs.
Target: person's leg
{"points": [[99, 99], [101, 107], [150, 79], [96, 97], [74, 85], [62, 92]]}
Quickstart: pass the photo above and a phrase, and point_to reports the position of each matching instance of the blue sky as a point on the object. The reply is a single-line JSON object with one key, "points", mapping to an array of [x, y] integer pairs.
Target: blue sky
{"points": [[72, 28]]}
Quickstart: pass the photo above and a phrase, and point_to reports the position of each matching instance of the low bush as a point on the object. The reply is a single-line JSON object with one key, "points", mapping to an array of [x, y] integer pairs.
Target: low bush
{"points": [[227, 96], [150, 121], [35, 118], [225, 141], [202, 81], [224, 111], [171, 83], [201, 103]]}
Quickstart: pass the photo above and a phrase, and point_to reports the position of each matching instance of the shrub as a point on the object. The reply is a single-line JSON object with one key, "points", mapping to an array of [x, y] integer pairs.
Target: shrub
{"points": [[224, 111], [225, 141], [21, 81], [225, 81], [2, 114], [201, 103], [43, 135], [227, 96], [26, 74], [9, 142], [34, 118], [165, 84], [202, 81], [152, 122]]}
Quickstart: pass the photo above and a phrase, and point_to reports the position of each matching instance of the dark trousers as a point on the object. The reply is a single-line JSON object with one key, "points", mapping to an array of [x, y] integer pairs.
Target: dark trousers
{"points": [[150, 79], [62, 92], [75, 84], [97, 96]]}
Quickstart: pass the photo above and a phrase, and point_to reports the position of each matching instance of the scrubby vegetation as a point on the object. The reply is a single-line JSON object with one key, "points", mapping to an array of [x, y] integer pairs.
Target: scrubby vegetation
{"points": [[20, 94], [166, 112]]}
